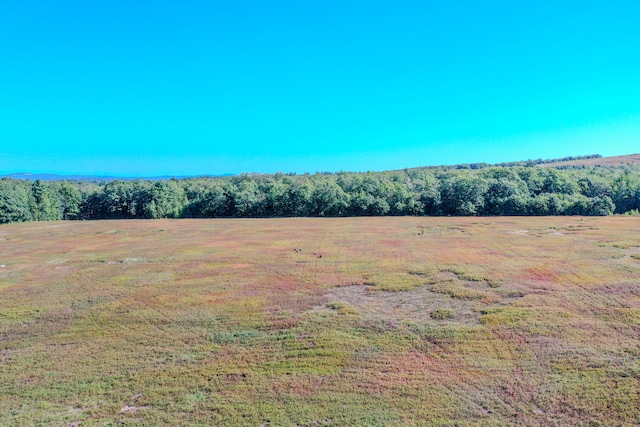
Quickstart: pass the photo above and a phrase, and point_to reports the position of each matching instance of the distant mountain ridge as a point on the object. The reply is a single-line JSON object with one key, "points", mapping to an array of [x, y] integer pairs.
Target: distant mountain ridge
{"points": [[93, 178], [571, 161]]}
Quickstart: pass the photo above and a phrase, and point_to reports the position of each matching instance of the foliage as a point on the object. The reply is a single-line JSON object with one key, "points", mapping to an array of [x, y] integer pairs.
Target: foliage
{"points": [[474, 191], [14, 201]]}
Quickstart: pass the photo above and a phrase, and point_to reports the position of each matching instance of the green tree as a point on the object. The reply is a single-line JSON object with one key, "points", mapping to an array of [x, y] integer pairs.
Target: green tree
{"points": [[206, 198], [626, 191], [69, 200], [45, 203], [14, 201], [463, 195], [168, 200], [555, 181], [248, 201], [120, 199], [602, 206], [546, 204], [506, 195], [299, 197], [328, 198]]}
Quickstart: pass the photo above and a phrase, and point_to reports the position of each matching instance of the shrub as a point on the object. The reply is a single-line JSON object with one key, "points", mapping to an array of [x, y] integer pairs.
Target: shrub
{"points": [[442, 313], [342, 307]]}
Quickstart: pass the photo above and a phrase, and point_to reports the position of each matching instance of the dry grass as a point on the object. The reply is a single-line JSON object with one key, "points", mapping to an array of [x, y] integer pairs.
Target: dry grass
{"points": [[632, 159], [401, 321]]}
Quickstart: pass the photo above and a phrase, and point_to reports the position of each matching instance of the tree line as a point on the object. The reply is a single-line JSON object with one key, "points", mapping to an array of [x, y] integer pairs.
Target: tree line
{"points": [[514, 190]]}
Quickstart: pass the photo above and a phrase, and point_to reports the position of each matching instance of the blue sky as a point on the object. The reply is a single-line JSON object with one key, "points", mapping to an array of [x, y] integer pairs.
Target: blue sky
{"points": [[150, 88]]}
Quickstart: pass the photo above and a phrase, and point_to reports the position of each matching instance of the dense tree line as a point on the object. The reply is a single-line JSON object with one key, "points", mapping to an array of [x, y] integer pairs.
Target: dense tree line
{"points": [[517, 190]]}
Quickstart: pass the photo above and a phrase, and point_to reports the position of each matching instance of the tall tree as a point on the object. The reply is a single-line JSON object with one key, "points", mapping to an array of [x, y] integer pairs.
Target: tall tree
{"points": [[14, 201], [45, 203], [463, 195], [168, 200], [69, 200]]}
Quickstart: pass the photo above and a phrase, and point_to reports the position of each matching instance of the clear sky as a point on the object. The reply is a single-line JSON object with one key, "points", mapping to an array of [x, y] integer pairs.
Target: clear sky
{"points": [[148, 88]]}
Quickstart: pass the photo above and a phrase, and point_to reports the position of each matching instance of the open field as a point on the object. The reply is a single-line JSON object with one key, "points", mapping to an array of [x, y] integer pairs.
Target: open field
{"points": [[369, 321]]}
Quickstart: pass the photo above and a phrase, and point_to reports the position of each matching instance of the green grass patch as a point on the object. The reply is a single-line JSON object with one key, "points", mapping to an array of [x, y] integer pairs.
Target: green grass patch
{"points": [[466, 273], [443, 313], [506, 316], [631, 315], [459, 291], [343, 307], [395, 282]]}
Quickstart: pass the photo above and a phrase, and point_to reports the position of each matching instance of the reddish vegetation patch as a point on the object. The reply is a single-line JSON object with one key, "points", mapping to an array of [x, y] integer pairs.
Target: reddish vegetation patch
{"points": [[540, 274]]}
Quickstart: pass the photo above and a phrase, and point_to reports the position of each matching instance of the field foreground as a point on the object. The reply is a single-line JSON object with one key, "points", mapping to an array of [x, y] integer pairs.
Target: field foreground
{"points": [[364, 321]]}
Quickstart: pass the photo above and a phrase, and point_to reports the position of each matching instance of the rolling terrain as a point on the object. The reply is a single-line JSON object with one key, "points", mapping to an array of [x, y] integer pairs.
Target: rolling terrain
{"points": [[629, 159], [321, 321]]}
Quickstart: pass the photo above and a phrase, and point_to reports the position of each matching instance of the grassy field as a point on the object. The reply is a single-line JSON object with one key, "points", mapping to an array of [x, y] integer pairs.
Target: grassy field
{"points": [[369, 321]]}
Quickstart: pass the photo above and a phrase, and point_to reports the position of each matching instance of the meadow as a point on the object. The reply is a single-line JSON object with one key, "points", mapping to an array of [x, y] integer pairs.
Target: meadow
{"points": [[321, 322]]}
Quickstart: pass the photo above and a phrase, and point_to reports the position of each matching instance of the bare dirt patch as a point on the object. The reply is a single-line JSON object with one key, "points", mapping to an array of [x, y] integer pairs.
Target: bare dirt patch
{"points": [[393, 307], [520, 232], [131, 409]]}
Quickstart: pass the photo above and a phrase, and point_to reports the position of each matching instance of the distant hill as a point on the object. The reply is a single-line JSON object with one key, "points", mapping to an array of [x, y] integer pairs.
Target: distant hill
{"points": [[568, 162], [54, 177], [90, 178], [590, 160], [633, 159]]}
